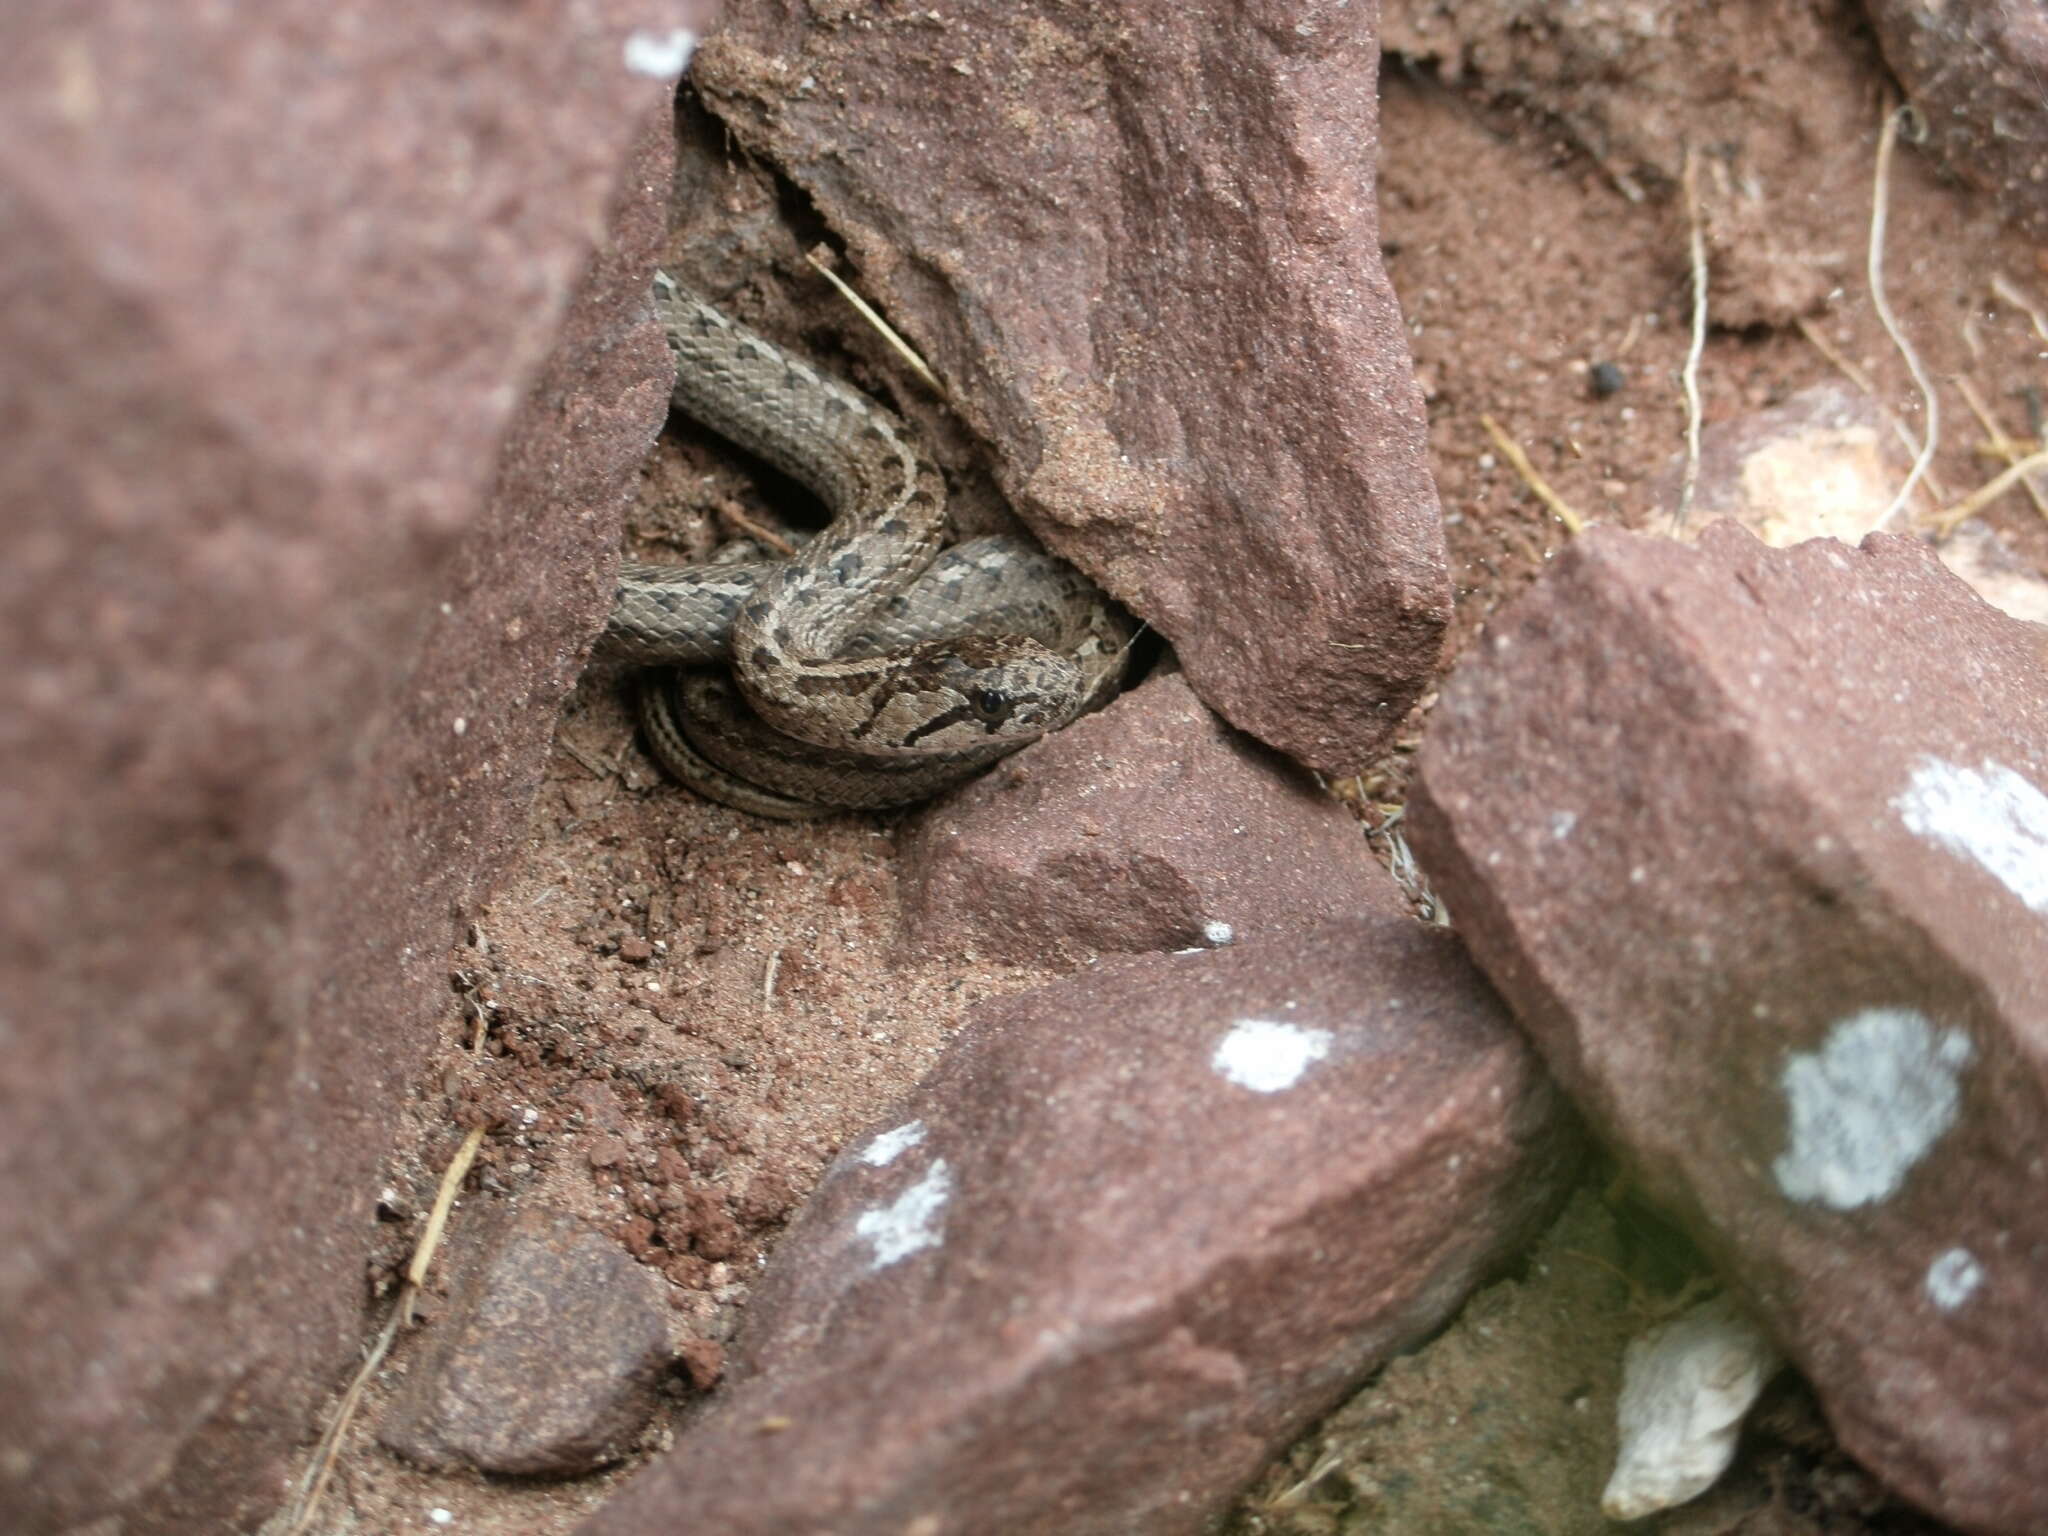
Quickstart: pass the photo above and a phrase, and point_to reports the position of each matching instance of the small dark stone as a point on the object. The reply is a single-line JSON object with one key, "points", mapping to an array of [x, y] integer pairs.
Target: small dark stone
{"points": [[551, 1360], [1605, 379]]}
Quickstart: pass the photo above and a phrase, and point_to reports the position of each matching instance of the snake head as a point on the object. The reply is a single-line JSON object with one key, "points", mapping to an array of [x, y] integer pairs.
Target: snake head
{"points": [[978, 687]]}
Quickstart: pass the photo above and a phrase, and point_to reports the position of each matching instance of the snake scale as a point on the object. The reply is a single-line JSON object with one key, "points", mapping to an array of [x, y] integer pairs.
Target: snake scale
{"points": [[872, 669]]}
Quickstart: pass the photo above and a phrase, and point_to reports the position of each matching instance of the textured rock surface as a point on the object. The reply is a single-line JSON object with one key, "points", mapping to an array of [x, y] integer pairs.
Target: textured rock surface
{"points": [[1151, 825], [1140, 245], [1756, 844], [1138, 1229], [549, 1362], [282, 659], [1978, 72]]}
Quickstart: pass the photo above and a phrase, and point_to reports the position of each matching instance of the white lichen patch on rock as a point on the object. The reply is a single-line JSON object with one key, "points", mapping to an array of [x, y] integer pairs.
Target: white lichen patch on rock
{"points": [[1867, 1106], [892, 1144], [659, 55], [1989, 815], [1953, 1278], [1685, 1386], [910, 1223], [1266, 1055]]}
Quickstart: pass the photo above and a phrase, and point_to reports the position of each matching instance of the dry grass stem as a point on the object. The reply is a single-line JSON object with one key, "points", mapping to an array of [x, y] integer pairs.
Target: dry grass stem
{"points": [[1874, 268], [2006, 291], [2000, 446], [1512, 452], [1935, 492], [1690, 376], [1835, 355], [314, 1487], [444, 1201], [882, 327], [1989, 492]]}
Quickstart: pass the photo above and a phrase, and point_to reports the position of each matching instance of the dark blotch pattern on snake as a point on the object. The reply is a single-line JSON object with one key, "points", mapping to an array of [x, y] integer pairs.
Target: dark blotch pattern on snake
{"points": [[872, 669]]}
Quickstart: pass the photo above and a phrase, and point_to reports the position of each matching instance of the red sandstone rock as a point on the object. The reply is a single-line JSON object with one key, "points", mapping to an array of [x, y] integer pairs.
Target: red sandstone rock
{"points": [[1755, 842], [286, 634], [1151, 825], [1139, 244], [1136, 1232], [549, 1362]]}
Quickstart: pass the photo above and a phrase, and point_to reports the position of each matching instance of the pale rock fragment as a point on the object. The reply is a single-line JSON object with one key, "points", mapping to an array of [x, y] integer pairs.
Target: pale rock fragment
{"points": [[1686, 1385]]}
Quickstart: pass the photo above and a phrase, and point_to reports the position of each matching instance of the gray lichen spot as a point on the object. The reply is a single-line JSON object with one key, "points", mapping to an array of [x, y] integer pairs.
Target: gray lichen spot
{"points": [[1953, 1278], [1867, 1106]]}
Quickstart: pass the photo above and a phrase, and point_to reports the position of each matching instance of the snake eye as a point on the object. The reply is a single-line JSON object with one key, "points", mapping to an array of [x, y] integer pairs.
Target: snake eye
{"points": [[990, 704]]}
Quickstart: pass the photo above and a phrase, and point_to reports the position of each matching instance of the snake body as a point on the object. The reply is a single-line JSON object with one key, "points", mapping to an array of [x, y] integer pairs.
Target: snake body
{"points": [[871, 669]]}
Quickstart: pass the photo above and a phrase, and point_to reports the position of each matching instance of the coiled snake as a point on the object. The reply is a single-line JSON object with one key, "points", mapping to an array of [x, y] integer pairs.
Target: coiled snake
{"points": [[871, 669]]}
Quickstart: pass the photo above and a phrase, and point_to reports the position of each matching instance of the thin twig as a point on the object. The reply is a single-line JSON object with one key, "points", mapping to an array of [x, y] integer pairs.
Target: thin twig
{"points": [[322, 1468], [314, 1487], [887, 331], [1935, 491], [1989, 492], [2006, 290], [768, 978], [1835, 355], [597, 768], [1973, 340], [753, 530], [1874, 268], [1691, 374], [1512, 451], [2001, 446]]}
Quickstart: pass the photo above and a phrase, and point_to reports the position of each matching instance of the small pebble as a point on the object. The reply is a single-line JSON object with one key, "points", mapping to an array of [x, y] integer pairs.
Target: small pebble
{"points": [[1605, 379]]}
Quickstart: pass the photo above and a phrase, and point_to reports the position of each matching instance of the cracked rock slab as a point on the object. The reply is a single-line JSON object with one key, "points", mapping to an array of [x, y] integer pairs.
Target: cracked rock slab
{"points": [[1148, 826], [1140, 246], [1755, 843], [1138, 1229]]}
